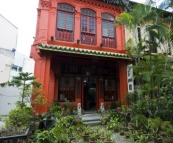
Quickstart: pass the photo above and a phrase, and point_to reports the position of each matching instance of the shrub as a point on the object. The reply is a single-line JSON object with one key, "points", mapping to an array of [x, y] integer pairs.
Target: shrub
{"points": [[20, 116]]}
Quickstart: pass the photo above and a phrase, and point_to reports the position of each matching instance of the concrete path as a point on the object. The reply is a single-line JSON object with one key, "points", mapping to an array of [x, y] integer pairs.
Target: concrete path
{"points": [[2, 124], [91, 119]]}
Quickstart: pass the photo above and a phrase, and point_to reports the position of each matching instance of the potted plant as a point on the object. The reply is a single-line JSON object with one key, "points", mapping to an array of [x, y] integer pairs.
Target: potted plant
{"points": [[102, 134], [139, 121], [169, 138], [143, 139], [113, 124], [157, 136], [134, 135], [109, 137], [104, 119], [164, 126], [92, 138], [85, 133]]}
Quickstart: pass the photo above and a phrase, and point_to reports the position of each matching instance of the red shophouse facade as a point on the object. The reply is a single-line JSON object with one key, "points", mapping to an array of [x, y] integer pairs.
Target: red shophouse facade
{"points": [[79, 53]]}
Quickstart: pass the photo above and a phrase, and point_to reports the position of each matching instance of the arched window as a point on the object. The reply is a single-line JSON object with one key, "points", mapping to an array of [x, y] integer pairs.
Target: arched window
{"points": [[88, 27], [65, 22], [108, 30]]}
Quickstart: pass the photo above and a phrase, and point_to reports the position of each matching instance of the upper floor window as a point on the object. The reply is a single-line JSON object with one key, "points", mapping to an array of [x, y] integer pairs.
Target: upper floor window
{"points": [[88, 26], [108, 30], [152, 40], [65, 22]]}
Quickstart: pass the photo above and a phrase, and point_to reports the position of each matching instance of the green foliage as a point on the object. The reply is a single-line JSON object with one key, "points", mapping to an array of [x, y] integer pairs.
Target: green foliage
{"points": [[143, 139], [66, 104], [109, 134], [155, 123], [170, 131], [31, 91], [24, 82], [56, 109], [149, 69], [113, 123], [167, 86], [133, 134], [165, 125], [165, 106], [118, 115], [139, 121], [131, 97], [20, 116], [139, 107], [44, 137], [113, 105]]}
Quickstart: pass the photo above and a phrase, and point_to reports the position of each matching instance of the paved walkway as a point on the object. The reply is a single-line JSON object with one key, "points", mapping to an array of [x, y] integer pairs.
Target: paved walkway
{"points": [[1, 124]]}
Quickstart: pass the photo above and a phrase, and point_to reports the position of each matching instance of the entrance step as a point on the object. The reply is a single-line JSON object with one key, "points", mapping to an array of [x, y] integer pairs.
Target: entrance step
{"points": [[91, 119], [90, 112]]}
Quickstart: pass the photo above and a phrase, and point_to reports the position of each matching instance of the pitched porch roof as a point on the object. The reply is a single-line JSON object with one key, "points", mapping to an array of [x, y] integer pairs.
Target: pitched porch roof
{"points": [[80, 51]]}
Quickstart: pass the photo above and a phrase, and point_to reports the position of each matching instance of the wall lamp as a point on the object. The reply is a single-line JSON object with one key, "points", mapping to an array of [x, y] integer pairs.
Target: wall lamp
{"points": [[51, 38], [78, 41], [101, 45]]}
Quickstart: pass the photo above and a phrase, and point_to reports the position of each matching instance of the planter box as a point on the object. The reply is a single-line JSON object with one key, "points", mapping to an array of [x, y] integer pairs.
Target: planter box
{"points": [[17, 137]]}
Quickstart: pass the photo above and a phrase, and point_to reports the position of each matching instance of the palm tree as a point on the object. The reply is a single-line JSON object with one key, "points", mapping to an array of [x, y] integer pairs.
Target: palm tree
{"points": [[146, 65]]}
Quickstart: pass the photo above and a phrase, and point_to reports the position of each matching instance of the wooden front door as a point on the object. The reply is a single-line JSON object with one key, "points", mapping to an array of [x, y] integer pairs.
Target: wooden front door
{"points": [[89, 94]]}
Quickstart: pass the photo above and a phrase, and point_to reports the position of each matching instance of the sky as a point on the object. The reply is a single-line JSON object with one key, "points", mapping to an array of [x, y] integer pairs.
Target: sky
{"points": [[23, 14]]}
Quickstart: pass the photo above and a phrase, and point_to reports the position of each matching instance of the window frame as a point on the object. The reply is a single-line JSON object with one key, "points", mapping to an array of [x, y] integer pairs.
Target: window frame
{"points": [[115, 91], [90, 34], [66, 12], [59, 89], [114, 29]]}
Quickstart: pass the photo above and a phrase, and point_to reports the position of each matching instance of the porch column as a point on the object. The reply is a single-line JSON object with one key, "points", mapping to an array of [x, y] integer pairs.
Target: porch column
{"points": [[77, 25], [123, 81], [42, 71]]}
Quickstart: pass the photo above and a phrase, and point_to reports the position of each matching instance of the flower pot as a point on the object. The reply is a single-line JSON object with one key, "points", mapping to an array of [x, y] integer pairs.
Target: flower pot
{"points": [[103, 138], [85, 137], [158, 140], [74, 141], [71, 138], [135, 139], [116, 130], [92, 141], [13, 137], [125, 128], [168, 140], [108, 141], [127, 136], [140, 132], [122, 133], [130, 125]]}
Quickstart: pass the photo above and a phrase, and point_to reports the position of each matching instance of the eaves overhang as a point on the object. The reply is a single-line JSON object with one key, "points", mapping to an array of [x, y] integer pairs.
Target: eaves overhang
{"points": [[81, 51]]}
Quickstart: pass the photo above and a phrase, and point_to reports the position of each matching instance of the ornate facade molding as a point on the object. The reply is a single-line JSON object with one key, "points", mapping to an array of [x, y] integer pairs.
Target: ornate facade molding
{"points": [[99, 5], [45, 4]]}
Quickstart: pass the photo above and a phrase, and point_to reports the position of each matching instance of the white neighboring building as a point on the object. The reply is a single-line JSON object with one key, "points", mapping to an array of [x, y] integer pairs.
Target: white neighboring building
{"points": [[9, 95], [8, 44]]}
